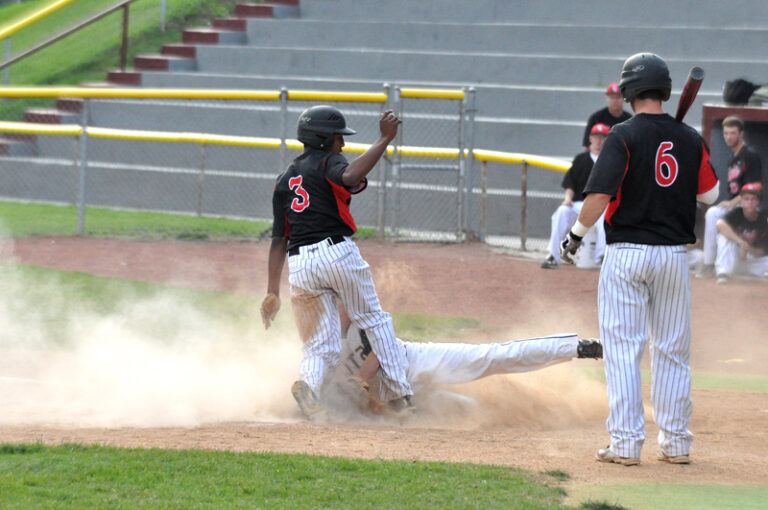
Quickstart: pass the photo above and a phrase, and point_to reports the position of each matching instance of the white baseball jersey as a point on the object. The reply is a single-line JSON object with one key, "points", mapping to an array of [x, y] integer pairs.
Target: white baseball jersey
{"points": [[432, 363]]}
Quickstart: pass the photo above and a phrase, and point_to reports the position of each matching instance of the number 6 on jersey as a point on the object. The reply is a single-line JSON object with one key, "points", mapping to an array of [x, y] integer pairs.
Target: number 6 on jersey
{"points": [[666, 165]]}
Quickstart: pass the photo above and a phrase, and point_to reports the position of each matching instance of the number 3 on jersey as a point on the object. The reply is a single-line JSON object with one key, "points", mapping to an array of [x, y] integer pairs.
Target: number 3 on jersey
{"points": [[666, 165], [295, 184]]}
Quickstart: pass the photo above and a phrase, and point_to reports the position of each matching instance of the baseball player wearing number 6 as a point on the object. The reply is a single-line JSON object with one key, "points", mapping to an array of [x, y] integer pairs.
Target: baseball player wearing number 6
{"points": [[651, 171], [313, 225]]}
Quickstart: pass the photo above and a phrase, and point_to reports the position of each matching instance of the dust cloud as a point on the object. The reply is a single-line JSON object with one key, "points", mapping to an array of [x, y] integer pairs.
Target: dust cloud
{"points": [[155, 361]]}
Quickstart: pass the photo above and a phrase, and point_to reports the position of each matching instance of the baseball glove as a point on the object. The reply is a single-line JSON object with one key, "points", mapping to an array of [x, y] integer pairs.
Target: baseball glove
{"points": [[269, 308]]}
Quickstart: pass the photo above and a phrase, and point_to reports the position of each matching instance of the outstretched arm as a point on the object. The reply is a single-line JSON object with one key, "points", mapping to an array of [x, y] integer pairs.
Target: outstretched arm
{"points": [[361, 166]]}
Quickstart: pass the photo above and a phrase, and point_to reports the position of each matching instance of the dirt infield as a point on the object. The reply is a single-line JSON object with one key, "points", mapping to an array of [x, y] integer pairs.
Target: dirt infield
{"points": [[550, 419]]}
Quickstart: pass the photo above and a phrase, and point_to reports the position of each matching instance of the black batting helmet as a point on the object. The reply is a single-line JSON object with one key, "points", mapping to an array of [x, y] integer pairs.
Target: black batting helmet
{"points": [[644, 71], [318, 124]]}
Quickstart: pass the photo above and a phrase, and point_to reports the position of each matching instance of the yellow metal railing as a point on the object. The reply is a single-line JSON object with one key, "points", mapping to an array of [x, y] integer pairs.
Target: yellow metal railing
{"points": [[11, 29], [512, 158]]}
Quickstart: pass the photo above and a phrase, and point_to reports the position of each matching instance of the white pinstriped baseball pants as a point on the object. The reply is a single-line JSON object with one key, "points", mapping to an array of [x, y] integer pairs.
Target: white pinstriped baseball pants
{"points": [[644, 294], [319, 274]]}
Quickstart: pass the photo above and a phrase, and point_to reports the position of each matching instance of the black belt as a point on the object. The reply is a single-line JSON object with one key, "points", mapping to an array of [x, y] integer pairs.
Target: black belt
{"points": [[330, 240]]}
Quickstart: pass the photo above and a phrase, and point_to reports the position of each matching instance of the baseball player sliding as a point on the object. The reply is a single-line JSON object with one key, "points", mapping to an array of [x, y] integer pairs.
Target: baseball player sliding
{"points": [[432, 363], [313, 225], [651, 171]]}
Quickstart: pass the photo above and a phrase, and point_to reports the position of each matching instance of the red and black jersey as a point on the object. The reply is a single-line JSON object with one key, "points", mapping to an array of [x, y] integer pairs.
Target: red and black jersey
{"points": [[653, 167], [310, 201], [744, 167]]}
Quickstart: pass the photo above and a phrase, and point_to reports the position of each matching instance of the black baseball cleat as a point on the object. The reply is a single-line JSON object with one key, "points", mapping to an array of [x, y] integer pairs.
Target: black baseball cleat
{"points": [[589, 348], [549, 263]]}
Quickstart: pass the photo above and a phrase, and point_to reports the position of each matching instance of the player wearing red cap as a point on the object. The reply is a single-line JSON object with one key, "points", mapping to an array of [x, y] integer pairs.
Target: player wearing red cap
{"points": [[574, 181]]}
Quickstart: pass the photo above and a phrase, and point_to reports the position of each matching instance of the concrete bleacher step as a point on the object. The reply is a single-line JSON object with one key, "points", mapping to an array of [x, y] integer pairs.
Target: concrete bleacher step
{"points": [[734, 13], [272, 9], [14, 148], [50, 116], [209, 35], [670, 42], [179, 50], [470, 67], [163, 63]]}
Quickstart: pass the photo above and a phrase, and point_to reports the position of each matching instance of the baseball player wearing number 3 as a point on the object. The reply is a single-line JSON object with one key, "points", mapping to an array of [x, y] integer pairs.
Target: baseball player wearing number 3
{"points": [[313, 225], [650, 173]]}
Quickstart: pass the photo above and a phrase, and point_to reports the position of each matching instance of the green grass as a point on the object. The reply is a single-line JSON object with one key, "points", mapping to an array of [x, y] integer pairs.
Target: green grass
{"points": [[25, 219], [674, 496], [705, 380], [70, 476], [88, 54], [429, 328]]}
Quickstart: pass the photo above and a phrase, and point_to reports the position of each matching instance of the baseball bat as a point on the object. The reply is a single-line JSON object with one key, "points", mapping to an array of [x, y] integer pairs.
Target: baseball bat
{"points": [[691, 88]]}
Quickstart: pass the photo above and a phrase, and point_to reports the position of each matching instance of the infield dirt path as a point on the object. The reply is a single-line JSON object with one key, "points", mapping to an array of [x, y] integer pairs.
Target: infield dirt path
{"points": [[550, 419]]}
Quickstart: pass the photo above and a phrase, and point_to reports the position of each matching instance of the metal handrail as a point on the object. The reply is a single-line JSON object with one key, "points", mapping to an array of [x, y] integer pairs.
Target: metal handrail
{"points": [[33, 18], [123, 47]]}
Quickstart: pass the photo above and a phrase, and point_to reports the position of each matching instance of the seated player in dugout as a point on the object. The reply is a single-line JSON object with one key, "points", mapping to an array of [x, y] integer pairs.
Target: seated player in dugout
{"points": [[439, 363]]}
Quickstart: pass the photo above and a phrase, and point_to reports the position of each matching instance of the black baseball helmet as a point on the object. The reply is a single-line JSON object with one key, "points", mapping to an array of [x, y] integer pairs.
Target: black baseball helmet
{"points": [[318, 124], [644, 71]]}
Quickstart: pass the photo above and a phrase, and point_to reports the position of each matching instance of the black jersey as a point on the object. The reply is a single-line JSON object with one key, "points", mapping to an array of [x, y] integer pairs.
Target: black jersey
{"points": [[653, 167], [744, 167], [310, 201], [603, 116], [577, 175], [754, 232]]}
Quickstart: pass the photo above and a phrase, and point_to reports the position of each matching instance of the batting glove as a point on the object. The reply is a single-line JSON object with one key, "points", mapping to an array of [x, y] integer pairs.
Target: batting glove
{"points": [[569, 246]]}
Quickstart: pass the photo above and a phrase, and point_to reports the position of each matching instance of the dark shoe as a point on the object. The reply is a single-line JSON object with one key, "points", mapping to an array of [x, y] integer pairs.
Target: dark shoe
{"points": [[607, 455], [549, 263], [677, 459], [308, 402], [590, 348]]}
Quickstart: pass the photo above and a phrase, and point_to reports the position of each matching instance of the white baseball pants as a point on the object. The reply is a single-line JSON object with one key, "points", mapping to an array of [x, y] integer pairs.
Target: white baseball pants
{"points": [[729, 261], [319, 274], [455, 363], [713, 214], [644, 294], [563, 219]]}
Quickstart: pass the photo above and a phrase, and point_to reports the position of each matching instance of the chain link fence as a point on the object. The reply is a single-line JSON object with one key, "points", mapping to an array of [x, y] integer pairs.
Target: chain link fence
{"points": [[220, 158]]}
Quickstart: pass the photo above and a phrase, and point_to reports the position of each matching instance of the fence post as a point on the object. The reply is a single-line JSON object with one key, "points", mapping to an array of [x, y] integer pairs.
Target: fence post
{"points": [[201, 180], [283, 128], [469, 130], [523, 205], [124, 44], [83, 168], [381, 195], [397, 159], [483, 199], [460, 177]]}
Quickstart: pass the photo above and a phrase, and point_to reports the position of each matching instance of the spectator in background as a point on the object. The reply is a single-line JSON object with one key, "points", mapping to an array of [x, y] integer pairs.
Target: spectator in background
{"points": [[742, 240], [611, 115], [743, 168], [574, 181]]}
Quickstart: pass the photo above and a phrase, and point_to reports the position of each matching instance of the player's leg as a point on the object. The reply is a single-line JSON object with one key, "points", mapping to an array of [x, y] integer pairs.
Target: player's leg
{"points": [[670, 332], [455, 363], [350, 276], [562, 220], [757, 266], [317, 319], [622, 304], [713, 214], [728, 254]]}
